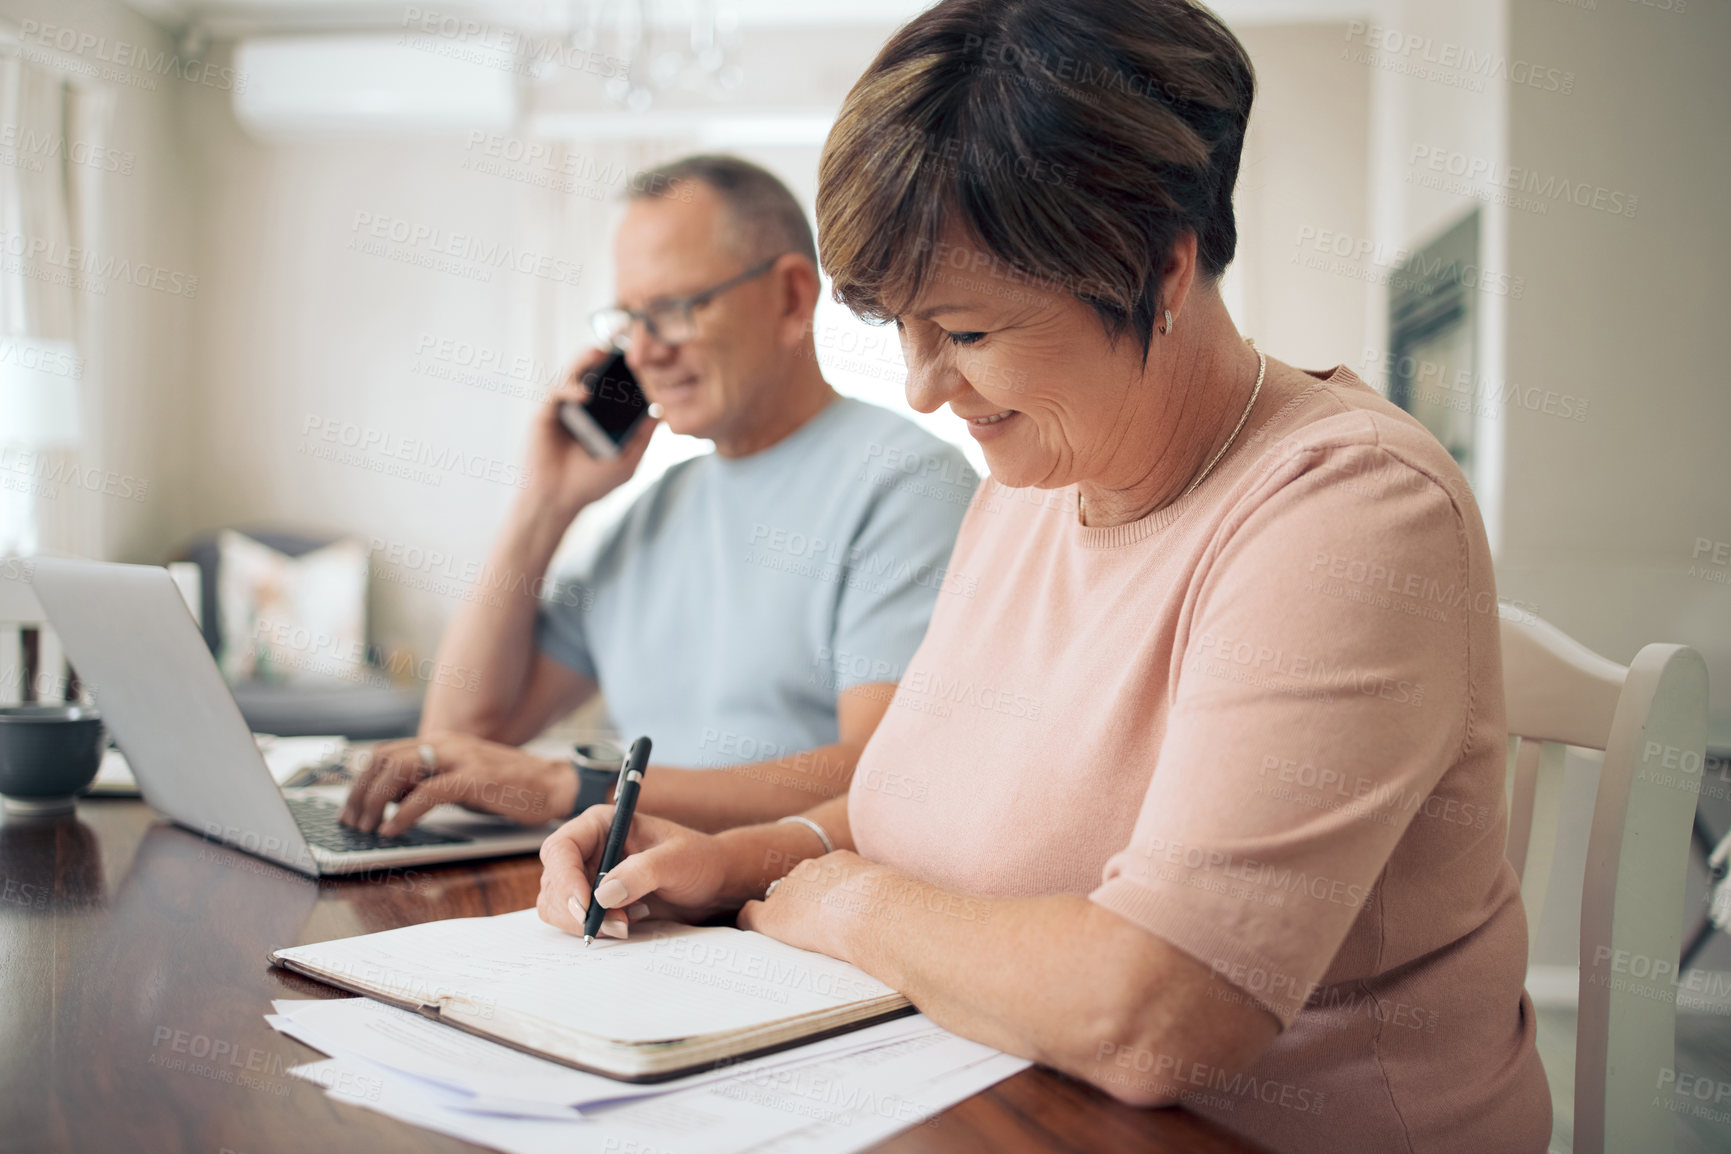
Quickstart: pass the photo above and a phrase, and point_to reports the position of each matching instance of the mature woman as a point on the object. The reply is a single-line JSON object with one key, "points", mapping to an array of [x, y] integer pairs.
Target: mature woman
{"points": [[1198, 797]]}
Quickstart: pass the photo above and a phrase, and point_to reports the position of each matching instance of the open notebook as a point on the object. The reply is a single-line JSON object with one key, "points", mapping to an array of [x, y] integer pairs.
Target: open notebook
{"points": [[670, 1000]]}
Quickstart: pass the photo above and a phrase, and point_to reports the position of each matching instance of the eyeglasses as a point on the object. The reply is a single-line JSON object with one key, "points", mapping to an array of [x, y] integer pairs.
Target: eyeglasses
{"points": [[668, 321]]}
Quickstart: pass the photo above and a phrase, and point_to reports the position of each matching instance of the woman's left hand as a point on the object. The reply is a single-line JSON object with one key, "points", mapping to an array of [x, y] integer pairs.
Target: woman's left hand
{"points": [[813, 906]]}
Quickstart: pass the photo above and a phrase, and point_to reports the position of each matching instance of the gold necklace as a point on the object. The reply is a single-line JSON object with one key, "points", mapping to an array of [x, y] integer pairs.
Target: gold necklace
{"points": [[1261, 371]]}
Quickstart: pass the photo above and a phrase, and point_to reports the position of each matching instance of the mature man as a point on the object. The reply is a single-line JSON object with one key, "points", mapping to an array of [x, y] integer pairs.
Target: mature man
{"points": [[754, 607]]}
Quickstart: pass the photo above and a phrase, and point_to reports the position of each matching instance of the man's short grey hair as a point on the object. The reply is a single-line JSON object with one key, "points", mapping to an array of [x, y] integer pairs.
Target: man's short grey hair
{"points": [[766, 214]]}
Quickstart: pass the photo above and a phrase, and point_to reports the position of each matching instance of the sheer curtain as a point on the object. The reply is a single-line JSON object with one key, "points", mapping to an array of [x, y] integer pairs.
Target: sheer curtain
{"points": [[47, 210]]}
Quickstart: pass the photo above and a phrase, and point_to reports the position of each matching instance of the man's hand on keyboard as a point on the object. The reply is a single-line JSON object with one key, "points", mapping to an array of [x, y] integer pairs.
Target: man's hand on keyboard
{"points": [[421, 772]]}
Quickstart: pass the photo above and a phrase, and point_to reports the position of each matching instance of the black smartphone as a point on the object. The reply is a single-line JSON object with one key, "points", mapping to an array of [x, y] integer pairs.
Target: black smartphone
{"points": [[615, 407]]}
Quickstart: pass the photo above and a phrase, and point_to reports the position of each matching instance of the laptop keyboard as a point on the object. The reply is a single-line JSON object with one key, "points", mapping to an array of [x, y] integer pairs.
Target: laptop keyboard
{"points": [[318, 821]]}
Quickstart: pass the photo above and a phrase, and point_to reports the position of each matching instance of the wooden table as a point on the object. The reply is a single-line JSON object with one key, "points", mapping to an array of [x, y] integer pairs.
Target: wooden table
{"points": [[131, 949]]}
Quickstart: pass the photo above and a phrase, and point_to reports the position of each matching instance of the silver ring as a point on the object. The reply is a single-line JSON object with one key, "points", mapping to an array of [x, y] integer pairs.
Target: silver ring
{"points": [[770, 892], [429, 758]]}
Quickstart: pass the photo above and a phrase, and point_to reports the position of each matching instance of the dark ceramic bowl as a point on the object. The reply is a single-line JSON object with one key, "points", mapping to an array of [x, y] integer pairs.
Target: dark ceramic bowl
{"points": [[47, 754]]}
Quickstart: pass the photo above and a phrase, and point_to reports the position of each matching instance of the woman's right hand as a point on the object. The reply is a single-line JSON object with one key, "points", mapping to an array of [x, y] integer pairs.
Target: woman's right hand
{"points": [[669, 872]]}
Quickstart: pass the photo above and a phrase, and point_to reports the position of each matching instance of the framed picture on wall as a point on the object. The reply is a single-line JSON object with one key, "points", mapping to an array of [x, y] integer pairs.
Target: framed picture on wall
{"points": [[1433, 338]]}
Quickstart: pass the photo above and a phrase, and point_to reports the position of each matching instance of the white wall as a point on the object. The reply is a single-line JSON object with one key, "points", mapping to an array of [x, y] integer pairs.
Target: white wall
{"points": [[1426, 100], [136, 340], [303, 331], [1596, 515], [1604, 515], [1303, 174]]}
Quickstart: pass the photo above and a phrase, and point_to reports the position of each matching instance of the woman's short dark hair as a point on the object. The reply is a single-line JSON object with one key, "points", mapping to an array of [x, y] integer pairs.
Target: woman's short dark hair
{"points": [[1073, 140]]}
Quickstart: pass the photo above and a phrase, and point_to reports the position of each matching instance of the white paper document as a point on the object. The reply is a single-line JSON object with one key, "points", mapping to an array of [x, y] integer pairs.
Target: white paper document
{"points": [[501, 1079], [834, 1095], [833, 1105], [478, 1001]]}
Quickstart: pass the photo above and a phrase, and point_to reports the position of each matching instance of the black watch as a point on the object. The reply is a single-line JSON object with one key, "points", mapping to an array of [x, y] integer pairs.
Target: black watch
{"points": [[597, 765]]}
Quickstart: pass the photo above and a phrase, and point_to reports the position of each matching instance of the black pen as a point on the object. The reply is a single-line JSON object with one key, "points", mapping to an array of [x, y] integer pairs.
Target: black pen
{"points": [[624, 806]]}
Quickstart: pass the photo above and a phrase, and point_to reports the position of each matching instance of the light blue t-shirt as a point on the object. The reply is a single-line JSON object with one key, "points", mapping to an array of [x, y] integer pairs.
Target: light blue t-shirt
{"points": [[737, 597]]}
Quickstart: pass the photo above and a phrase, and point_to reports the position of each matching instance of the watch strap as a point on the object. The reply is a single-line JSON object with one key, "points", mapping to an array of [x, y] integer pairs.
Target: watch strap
{"points": [[593, 786]]}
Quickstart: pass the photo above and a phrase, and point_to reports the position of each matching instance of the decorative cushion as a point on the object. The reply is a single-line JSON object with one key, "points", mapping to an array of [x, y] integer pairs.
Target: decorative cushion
{"points": [[292, 620]]}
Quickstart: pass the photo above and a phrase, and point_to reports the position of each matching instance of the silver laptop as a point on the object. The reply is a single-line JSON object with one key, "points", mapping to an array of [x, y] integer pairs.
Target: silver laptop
{"points": [[136, 647]]}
